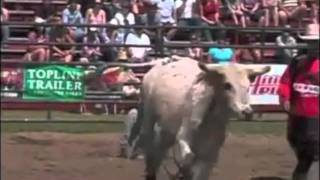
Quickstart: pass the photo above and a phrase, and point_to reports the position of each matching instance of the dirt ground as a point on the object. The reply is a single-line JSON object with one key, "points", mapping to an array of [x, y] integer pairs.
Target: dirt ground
{"points": [[59, 156]]}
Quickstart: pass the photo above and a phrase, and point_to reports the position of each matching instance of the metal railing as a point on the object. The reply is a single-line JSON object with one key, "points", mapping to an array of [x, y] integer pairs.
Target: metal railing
{"points": [[160, 44]]}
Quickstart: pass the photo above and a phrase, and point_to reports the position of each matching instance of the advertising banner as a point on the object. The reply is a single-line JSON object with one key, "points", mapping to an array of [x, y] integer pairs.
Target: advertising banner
{"points": [[53, 82], [263, 91]]}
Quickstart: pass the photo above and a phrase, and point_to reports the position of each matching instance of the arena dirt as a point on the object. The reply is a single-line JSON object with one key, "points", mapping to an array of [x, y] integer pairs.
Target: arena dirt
{"points": [[58, 156]]}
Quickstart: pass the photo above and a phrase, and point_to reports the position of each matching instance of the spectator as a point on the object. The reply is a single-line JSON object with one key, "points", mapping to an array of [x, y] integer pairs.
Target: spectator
{"points": [[237, 13], [272, 11], [46, 11], [147, 11], [291, 10], [91, 53], [315, 11], [219, 54], [285, 39], [210, 11], [71, 15], [95, 16], [195, 52], [138, 37], [119, 35], [5, 32], [65, 53], [249, 55], [84, 5], [253, 11], [36, 52], [188, 14], [46, 14], [111, 8], [166, 11], [124, 16]]}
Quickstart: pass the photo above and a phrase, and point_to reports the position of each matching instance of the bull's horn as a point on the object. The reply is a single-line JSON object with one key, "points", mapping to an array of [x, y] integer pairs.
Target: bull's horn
{"points": [[258, 70], [210, 67]]}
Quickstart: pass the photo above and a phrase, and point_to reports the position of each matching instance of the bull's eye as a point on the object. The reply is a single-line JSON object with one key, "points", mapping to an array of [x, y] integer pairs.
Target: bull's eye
{"points": [[227, 86]]}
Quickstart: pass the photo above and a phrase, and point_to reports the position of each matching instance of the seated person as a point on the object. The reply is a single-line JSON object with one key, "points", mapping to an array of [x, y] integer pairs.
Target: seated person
{"points": [[272, 10], [36, 52], [210, 11], [236, 12], [65, 53], [253, 11], [71, 15], [167, 17], [291, 10], [138, 37], [97, 15], [91, 53], [220, 55]]}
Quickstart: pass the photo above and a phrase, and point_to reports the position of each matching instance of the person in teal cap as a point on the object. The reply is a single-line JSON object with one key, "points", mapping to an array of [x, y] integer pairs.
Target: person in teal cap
{"points": [[219, 54]]}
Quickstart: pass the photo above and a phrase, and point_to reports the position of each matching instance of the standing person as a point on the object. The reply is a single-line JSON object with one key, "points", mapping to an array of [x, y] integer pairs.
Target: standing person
{"points": [[299, 95], [285, 56], [4, 29]]}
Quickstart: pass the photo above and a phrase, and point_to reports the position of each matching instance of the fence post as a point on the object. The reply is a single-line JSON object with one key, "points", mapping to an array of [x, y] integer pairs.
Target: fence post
{"points": [[49, 114], [160, 45], [263, 37]]}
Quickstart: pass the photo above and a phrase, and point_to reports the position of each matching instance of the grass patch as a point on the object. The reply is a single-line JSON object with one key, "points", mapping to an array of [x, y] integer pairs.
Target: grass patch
{"points": [[56, 115], [103, 123], [61, 127]]}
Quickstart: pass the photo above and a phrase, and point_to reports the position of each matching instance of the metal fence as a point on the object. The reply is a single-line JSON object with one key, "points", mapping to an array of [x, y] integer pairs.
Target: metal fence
{"points": [[158, 46]]}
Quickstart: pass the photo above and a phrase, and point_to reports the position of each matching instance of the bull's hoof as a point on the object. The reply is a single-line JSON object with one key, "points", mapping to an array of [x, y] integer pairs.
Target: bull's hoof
{"points": [[151, 177]]}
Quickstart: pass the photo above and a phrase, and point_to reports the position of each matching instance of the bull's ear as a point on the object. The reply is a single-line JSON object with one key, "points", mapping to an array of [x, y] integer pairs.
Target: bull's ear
{"points": [[253, 72]]}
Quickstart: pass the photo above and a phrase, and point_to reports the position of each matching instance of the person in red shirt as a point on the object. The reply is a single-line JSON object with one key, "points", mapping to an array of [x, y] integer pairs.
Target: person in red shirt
{"points": [[210, 11], [299, 96]]}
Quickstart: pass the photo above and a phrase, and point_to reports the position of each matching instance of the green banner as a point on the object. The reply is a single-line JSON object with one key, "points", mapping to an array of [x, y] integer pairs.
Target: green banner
{"points": [[53, 82]]}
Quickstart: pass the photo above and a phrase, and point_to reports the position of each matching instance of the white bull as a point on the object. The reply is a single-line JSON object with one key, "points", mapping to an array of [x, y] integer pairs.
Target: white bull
{"points": [[191, 103]]}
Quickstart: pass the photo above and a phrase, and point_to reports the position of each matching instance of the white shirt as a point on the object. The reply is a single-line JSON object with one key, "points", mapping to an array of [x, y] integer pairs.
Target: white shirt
{"points": [[134, 39], [120, 18], [166, 8], [187, 13]]}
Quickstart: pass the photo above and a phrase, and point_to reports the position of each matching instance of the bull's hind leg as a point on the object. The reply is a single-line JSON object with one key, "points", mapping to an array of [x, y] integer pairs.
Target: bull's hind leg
{"points": [[155, 154]]}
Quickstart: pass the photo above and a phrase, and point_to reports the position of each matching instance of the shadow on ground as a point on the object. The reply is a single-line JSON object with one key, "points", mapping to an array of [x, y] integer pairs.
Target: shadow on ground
{"points": [[267, 178]]}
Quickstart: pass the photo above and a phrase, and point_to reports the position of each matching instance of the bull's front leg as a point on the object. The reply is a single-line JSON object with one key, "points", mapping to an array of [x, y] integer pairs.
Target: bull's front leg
{"points": [[201, 98]]}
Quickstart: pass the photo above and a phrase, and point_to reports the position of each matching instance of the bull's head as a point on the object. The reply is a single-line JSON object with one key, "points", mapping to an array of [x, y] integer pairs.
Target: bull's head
{"points": [[232, 82]]}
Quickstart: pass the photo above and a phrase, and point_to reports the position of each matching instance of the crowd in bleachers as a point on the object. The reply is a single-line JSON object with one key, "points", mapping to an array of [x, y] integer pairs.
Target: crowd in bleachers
{"points": [[242, 13]]}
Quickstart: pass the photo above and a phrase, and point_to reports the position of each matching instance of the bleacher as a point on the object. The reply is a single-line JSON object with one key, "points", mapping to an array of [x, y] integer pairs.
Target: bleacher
{"points": [[24, 11]]}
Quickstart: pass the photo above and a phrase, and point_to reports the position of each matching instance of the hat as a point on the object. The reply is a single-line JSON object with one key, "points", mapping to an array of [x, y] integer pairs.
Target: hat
{"points": [[311, 33]]}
